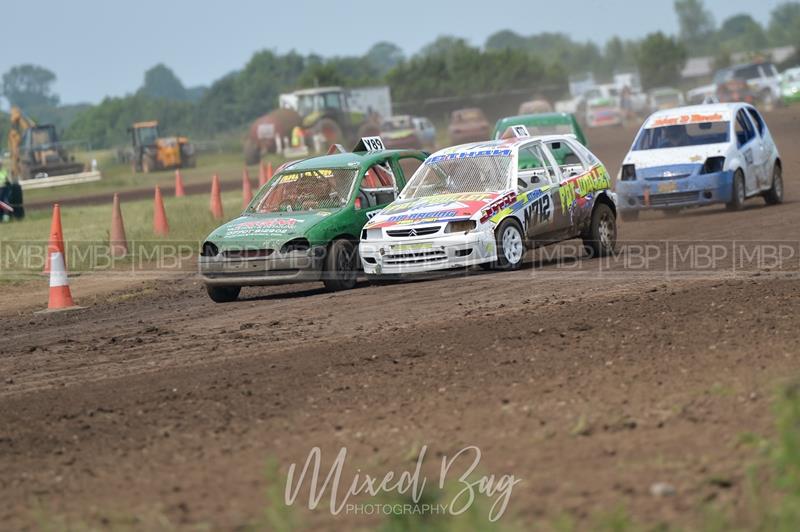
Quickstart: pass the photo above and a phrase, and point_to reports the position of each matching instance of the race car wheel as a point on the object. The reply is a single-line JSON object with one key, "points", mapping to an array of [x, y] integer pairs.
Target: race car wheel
{"points": [[737, 197], [510, 246], [340, 266], [601, 237], [223, 294], [774, 195]]}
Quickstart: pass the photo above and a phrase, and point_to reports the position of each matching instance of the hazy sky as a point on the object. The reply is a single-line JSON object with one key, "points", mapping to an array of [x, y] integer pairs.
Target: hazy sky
{"points": [[102, 47]]}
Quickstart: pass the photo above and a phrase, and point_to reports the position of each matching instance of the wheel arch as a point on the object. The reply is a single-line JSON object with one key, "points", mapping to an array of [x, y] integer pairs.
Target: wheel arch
{"points": [[605, 199]]}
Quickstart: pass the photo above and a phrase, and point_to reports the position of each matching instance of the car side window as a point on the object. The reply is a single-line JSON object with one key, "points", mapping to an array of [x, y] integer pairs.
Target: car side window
{"points": [[568, 161], [757, 120], [378, 187], [407, 166], [744, 129], [534, 168]]}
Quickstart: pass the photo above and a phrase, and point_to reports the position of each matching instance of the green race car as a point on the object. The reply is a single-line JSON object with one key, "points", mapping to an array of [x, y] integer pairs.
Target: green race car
{"points": [[543, 124], [304, 225]]}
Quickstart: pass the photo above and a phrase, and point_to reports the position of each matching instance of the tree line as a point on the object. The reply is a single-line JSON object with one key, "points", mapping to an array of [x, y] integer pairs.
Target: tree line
{"points": [[448, 67]]}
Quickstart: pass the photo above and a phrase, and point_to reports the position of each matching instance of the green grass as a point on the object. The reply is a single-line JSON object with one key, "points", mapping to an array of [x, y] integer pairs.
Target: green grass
{"points": [[86, 233]]}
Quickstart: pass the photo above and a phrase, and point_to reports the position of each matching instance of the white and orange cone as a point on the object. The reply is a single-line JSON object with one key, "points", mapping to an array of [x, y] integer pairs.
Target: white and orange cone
{"points": [[60, 295]]}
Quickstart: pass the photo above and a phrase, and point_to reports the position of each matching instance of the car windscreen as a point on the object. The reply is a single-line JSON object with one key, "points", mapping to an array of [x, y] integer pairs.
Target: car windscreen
{"points": [[306, 190], [682, 135], [444, 175]]}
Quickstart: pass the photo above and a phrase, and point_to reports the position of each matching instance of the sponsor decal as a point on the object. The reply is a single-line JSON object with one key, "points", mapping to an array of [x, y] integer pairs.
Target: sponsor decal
{"points": [[291, 178], [577, 191], [695, 118], [441, 208], [273, 226], [469, 154], [536, 206]]}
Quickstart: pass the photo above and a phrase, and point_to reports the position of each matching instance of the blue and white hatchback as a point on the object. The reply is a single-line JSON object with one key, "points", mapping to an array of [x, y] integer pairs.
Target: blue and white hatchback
{"points": [[700, 155]]}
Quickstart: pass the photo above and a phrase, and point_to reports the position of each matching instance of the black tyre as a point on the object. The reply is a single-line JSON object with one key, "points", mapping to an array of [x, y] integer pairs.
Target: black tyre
{"points": [[600, 239], [774, 195], [629, 216], [341, 266], [510, 245], [737, 196], [223, 294]]}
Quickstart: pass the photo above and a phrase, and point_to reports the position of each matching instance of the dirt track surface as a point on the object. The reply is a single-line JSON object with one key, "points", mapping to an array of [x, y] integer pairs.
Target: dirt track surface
{"points": [[590, 384]]}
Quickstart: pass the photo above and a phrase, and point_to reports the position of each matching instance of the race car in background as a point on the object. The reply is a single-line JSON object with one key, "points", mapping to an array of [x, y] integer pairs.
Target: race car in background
{"points": [[305, 223], [468, 125], [700, 155], [408, 132], [543, 124], [486, 203], [665, 98]]}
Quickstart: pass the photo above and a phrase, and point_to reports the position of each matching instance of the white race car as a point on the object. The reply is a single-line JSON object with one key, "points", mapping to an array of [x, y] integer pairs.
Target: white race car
{"points": [[700, 155], [487, 202]]}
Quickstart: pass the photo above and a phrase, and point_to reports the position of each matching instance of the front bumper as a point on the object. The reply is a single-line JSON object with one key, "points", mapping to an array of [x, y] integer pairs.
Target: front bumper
{"points": [[693, 191], [399, 256], [278, 268]]}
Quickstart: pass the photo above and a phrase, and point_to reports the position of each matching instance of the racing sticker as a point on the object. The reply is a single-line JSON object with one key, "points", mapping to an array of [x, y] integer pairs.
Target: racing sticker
{"points": [[489, 152], [441, 208], [577, 191], [536, 207], [695, 118], [273, 226]]}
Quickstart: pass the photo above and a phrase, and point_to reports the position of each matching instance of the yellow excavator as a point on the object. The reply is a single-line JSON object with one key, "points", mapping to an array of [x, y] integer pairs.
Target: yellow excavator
{"points": [[35, 150]]}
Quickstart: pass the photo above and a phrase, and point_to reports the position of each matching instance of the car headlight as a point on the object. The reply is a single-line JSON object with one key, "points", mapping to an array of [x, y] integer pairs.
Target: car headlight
{"points": [[461, 227], [713, 165], [628, 172], [371, 234], [209, 249]]}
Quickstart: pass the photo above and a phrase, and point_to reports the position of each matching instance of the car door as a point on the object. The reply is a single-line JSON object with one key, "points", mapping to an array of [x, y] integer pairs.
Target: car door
{"points": [[765, 149], [570, 205], [379, 186], [749, 144], [537, 188]]}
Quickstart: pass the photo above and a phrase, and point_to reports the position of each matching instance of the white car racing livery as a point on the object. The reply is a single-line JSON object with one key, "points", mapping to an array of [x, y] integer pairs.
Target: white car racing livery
{"points": [[700, 155], [486, 203]]}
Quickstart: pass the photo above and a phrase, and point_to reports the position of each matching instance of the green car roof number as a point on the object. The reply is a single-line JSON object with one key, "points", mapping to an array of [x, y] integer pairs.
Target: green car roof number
{"points": [[541, 121]]}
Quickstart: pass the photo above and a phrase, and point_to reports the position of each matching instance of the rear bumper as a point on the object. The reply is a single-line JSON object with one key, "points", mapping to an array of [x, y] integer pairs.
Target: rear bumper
{"points": [[400, 256], [693, 191], [293, 267]]}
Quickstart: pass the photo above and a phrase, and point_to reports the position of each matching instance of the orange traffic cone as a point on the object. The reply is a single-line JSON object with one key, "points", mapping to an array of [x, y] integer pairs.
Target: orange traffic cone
{"points": [[216, 200], [60, 295], [262, 175], [247, 189], [269, 170], [179, 192], [118, 242], [160, 224], [56, 241]]}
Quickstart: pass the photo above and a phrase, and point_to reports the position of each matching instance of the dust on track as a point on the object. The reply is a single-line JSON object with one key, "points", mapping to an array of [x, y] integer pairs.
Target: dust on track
{"points": [[589, 385]]}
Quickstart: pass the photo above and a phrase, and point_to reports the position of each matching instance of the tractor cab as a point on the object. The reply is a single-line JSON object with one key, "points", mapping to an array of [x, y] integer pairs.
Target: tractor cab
{"points": [[39, 138], [145, 133]]}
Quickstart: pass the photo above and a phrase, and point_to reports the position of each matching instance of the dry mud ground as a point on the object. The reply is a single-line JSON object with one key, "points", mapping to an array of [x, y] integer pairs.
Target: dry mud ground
{"points": [[588, 381]]}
